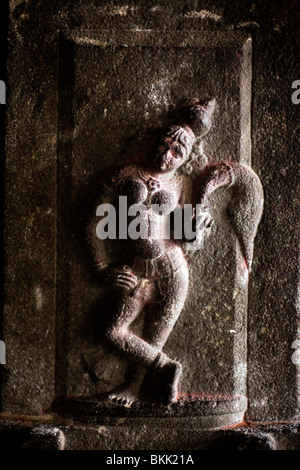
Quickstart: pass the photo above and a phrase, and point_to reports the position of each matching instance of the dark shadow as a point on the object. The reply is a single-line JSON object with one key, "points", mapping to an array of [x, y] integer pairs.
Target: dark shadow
{"points": [[235, 440], [4, 21], [65, 147]]}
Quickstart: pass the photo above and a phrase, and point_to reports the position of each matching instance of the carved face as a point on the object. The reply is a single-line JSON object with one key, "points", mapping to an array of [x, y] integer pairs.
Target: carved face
{"points": [[172, 150]]}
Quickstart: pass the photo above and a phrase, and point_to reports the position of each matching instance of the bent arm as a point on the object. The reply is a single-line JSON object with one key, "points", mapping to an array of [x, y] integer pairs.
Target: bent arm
{"points": [[107, 194]]}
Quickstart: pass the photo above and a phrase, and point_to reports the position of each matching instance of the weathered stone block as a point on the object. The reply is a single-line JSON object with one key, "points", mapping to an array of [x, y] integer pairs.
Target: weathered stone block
{"points": [[83, 78]]}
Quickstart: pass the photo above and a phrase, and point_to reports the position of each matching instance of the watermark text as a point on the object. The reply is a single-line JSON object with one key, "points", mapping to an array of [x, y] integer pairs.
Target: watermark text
{"points": [[140, 221], [2, 353], [2, 92], [296, 94]]}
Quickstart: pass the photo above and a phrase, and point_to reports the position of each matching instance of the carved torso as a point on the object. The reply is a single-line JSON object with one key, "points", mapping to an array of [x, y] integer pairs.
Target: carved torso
{"points": [[160, 196]]}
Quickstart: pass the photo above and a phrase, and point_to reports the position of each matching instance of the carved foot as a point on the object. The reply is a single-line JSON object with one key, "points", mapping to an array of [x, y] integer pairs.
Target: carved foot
{"points": [[165, 382], [125, 394]]}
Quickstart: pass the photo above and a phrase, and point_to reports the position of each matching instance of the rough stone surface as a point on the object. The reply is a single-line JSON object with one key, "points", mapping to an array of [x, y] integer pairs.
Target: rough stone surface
{"points": [[83, 78], [273, 379], [28, 435], [106, 109]]}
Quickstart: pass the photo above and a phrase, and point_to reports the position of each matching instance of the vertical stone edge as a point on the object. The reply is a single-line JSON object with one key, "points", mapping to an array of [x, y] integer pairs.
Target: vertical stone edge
{"points": [[273, 379], [240, 294], [246, 102], [29, 238]]}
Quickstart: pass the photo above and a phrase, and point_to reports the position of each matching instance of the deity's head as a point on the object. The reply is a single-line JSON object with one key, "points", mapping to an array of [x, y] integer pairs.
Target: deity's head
{"points": [[187, 123], [172, 148]]}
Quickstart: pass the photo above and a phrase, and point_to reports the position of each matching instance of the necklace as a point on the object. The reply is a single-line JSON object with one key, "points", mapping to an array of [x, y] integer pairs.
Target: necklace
{"points": [[155, 183]]}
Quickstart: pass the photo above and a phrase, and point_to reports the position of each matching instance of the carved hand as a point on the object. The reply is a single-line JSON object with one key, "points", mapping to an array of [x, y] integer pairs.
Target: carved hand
{"points": [[121, 277]]}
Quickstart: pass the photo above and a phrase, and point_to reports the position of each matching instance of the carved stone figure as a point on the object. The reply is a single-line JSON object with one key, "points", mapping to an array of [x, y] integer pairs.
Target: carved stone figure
{"points": [[155, 277]]}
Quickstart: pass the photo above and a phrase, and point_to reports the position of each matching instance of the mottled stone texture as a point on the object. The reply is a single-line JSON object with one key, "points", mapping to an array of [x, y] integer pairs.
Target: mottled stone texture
{"points": [[136, 75], [83, 77], [273, 380], [27, 435]]}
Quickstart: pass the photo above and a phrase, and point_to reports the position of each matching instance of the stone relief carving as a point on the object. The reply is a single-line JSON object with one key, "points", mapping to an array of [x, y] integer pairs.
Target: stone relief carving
{"points": [[154, 278]]}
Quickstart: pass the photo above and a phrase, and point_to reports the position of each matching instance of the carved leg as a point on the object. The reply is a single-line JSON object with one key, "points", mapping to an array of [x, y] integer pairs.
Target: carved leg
{"points": [[147, 352], [125, 342], [166, 372], [130, 346]]}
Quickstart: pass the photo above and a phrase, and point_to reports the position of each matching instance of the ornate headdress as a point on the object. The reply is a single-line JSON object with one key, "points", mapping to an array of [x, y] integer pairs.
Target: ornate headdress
{"points": [[196, 115]]}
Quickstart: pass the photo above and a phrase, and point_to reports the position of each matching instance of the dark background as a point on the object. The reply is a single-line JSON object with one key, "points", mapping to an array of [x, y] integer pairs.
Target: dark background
{"points": [[4, 17]]}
